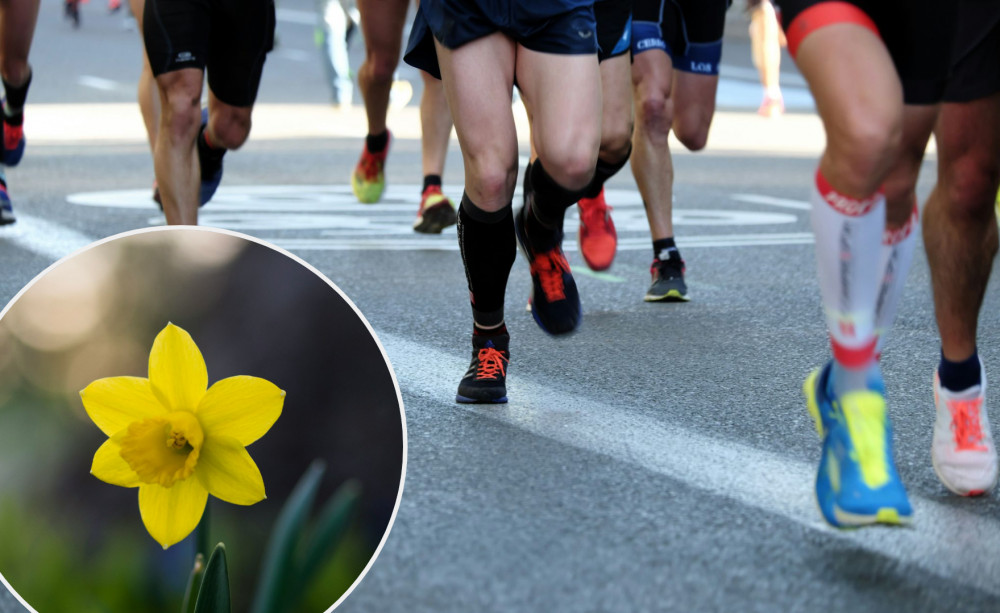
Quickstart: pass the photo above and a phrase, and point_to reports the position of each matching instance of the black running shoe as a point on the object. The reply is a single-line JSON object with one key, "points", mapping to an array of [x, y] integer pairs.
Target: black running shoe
{"points": [[555, 301], [486, 380], [668, 280]]}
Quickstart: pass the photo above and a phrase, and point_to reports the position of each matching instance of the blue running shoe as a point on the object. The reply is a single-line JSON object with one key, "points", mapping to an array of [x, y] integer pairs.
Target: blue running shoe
{"points": [[6, 210], [555, 302], [857, 483], [13, 141], [211, 182]]}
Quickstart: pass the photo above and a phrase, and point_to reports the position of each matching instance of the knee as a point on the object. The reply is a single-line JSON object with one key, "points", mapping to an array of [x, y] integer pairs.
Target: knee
{"points": [[655, 114], [970, 184], [571, 167], [380, 66], [693, 135], [863, 150], [494, 181], [231, 129], [616, 142], [182, 116]]}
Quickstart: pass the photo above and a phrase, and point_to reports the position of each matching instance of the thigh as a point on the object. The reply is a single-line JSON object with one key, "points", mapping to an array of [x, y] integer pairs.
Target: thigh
{"points": [[382, 24], [176, 34], [616, 92], [694, 104], [968, 144], [242, 35]]}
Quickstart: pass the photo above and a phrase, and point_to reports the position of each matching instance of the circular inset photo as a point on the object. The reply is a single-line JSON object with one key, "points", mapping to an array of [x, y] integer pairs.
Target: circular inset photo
{"points": [[192, 421]]}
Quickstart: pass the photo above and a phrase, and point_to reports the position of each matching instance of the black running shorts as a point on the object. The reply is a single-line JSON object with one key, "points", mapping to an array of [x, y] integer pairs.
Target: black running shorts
{"points": [[917, 34], [564, 27], [227, 38], [975, 64], [689, 31], [614, 28]]}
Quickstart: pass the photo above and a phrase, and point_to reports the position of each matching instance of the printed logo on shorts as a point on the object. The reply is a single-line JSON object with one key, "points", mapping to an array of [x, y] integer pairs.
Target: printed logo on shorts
{"points": [[702, 67], [650, 43], [184, 56]]}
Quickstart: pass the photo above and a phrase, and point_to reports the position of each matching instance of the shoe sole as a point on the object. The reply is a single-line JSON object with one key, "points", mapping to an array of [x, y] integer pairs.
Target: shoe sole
{"points": [[808, 390], [466, 400], [671, 296], [435, 219], [955, 490]]}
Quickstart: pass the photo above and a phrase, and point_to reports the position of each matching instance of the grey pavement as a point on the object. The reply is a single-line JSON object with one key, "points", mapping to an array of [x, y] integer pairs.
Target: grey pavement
{"points": [[660, 459]]}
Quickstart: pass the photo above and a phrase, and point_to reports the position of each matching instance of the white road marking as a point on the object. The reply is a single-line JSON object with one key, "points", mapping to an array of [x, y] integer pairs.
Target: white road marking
{"points": [[799, 205], [106, 85], [949, 542], [43, 237]]}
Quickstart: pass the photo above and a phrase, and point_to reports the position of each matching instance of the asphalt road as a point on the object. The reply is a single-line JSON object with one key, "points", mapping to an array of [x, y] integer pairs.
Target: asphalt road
{"points": [[660, 459]]}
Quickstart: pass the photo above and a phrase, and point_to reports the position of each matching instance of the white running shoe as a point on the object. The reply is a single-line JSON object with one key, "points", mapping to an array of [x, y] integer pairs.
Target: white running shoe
{"points": [[963, 453]]}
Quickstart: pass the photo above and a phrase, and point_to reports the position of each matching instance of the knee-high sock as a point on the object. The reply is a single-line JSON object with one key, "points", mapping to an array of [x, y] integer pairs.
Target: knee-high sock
{"points": [[848, 240], [488, 251], [602, 173], [897, 254]]}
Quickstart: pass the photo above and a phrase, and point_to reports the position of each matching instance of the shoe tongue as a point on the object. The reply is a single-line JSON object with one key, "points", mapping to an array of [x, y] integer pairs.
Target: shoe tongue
{"points": [[490, 345]]}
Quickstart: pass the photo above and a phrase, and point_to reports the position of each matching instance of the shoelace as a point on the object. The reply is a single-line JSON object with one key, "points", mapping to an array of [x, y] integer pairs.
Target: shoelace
{"points": [[592, 215], [371, 165], [549, 267], [868, 437], [965, 423], [11, 136], [667, 269], [491, 363]]}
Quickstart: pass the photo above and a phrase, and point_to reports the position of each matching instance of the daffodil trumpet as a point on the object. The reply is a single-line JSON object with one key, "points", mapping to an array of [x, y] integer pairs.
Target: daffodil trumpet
{"points": [[177, 439]]}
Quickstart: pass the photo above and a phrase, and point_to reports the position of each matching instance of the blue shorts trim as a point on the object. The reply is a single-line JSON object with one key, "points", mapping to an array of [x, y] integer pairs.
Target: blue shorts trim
{"points": [[701, 58]]}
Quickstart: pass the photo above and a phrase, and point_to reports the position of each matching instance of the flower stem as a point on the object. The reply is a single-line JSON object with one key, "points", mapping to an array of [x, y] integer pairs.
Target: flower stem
{"points": [[203, 543]]}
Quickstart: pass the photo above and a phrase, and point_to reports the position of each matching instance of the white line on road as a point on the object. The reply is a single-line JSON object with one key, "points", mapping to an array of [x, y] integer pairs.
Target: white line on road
{"points": [[105, 85], [782, 202], [44, 237], [954, 544]]}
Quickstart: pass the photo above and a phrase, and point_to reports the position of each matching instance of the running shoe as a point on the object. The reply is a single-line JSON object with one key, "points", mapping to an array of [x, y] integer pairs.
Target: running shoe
{"points": [[13, 141], [857, 483], [963, 453], [668, 280], [209, 181], [486, 380], [436, 212], [555, 302], [597, 237], [6, 210], [368, 179], [771, 107]]}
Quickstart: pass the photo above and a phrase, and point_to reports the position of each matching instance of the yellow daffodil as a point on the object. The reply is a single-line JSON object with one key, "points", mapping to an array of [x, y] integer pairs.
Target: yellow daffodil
{"points": [[177, 441]]}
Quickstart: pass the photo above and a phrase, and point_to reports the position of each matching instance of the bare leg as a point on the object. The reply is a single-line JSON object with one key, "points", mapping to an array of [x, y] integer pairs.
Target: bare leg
{"points": [[959, 230], [652, 166], [17, 29], [382, 25], [616, 111], [766, 49], [435, 125], [149, 100], [175, 161]]}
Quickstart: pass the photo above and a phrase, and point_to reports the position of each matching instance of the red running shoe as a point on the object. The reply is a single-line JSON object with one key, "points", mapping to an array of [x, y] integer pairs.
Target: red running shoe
{"points": [[598, 238]]}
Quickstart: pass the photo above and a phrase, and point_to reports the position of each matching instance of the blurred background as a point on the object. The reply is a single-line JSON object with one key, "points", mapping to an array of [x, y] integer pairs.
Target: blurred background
{"points": [[74, 543]]}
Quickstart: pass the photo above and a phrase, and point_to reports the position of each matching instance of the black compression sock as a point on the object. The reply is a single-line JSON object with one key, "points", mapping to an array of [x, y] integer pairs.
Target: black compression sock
{"points": [[431, 180], [209, 157], [14, 104], [550, 199], [376, 142], [662, 247], [602, 173], [498, 331], [487, 244], [958, 376]]}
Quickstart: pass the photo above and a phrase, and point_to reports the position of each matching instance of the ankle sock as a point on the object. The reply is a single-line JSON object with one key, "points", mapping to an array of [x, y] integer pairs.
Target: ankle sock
{"points": [[376, 142], [430, 180], [958, 376]]}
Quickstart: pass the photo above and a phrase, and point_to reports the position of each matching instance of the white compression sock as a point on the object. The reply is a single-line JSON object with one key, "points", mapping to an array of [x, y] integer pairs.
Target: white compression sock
{"points": [[848, 241], [897, 254]]}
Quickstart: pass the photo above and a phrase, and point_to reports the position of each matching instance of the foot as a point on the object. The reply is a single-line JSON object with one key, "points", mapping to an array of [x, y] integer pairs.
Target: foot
{"points": [[486, 380], [857, 483], [6, 210], [368, 179], [771, 107], [436, 212], [13, 141], [211, 170], [963, 453], [597, 237], [668, 280], [555, 302]]}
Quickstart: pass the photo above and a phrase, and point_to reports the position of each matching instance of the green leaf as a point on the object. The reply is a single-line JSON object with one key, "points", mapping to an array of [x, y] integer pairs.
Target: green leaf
{"points": [[331, 526], [213, 597], [194, 584], [279, 560]]}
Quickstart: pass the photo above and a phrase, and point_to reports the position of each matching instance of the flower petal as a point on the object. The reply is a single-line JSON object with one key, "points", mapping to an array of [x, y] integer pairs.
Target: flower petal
{"points": [[115, 402], [172, 513], [228, 472], [110, 467], [176, 369], [242, 407]]}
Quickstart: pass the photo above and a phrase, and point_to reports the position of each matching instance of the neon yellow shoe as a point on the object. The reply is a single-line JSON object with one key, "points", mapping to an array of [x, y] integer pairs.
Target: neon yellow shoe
{"points": [[368, 179], [436, 212]]}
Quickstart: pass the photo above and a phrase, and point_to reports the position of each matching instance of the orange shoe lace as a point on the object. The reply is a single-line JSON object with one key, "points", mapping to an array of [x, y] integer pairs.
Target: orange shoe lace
{"points": [[491, 362], [371, 164], [12, 136], [593, 211], [549, 267], [965, 422]]}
